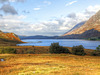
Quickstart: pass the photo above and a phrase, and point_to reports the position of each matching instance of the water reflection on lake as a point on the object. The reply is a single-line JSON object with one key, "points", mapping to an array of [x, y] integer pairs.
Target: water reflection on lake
{"points": [[1, 59]]}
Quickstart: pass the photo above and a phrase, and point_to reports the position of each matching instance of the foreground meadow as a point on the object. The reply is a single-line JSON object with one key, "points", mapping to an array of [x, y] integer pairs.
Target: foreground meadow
{"points": [[49, 64]]}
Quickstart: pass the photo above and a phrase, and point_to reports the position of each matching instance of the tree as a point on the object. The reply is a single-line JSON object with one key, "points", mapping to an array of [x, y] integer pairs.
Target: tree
{"points": [[96, 52], [56, 48], [98, 48], [78, 50]]}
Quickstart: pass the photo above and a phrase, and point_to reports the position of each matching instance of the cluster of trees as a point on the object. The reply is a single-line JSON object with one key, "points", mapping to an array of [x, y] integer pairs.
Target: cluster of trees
{"points": [[56, 48]]}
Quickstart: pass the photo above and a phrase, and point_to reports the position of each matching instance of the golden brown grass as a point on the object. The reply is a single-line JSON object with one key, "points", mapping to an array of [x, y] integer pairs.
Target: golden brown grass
{"points": [[49, 64]]}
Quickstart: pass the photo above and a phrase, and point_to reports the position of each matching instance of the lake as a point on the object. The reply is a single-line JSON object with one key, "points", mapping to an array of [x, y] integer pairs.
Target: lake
{"points": [[63, 42]]}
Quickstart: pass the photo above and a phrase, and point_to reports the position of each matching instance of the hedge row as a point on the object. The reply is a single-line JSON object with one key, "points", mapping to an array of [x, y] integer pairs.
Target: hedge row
{"points": [[54, 48]]}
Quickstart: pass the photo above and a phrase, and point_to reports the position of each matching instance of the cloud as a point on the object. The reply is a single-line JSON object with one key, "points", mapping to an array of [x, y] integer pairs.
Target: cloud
{"points": [[36, 8], [47, 2], [70, 3], [17, 0], [7, 8], [25, 11], [13, 23], [57, 26], [4, 1], [14, 17], [72, 15], [92, 9], [1, 15]]}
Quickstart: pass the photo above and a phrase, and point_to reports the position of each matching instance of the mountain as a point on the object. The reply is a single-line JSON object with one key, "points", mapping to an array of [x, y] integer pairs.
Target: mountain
{"points": [[38, 37], [90, 29], [9, 38], [77, 26]]}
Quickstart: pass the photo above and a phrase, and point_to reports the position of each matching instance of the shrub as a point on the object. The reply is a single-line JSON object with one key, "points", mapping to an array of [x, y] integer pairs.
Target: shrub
{"points": [[19, 51], [29, 51], [98, 48], [1, 51], [96, 52], [56, 48], [7, 50], [78, 50], [25, 51]]}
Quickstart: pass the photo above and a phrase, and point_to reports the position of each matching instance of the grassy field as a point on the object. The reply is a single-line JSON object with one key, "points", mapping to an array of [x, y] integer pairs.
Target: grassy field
{"points": [[48, 64]]}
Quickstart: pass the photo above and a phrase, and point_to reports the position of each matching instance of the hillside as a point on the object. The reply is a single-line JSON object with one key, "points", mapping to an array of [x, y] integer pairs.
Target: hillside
{"points": [[9, 38], [77, 26], [91, 27], [38, 37]]}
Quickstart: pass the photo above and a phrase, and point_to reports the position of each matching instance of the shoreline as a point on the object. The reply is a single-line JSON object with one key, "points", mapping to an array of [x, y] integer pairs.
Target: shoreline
{"points": [[44, 49]]}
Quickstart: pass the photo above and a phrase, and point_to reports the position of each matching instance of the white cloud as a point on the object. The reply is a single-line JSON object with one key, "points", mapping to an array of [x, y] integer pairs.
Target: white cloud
{"points": [[58, 26], [14, 17], [12, 0], [70, 3], [36, 8], [4, 1], [92, 9], [11, 23], [47, 2]]}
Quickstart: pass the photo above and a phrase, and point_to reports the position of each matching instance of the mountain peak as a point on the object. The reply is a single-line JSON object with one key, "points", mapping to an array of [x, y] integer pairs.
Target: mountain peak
{"points": [[77, 26], [0, 31], [92, 23]]}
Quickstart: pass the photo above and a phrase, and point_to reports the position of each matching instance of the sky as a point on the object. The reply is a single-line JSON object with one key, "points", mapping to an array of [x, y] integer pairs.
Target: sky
{"points": [[44, 17]]}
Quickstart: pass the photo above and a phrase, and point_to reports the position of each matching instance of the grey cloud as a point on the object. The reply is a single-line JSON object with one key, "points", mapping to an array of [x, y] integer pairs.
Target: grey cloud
{"points": [[72, 15], [1, 15], [20, 0], [26, 12], [4, 1], [7, 8], [60, 21]]}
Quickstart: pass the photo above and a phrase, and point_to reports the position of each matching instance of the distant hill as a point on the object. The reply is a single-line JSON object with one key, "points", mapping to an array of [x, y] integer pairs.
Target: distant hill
{"points": [[9, 38], [90, 29], [38, 37]]}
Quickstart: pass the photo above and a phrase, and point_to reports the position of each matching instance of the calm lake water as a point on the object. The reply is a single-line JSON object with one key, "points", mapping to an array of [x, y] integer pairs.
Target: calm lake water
{"points": [[63, 42]]}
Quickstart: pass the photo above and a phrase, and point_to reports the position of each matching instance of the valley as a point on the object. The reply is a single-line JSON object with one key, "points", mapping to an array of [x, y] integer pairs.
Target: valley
{"points": [[49, 37]]}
